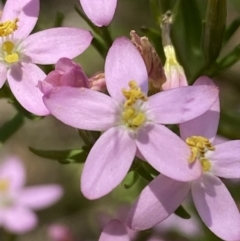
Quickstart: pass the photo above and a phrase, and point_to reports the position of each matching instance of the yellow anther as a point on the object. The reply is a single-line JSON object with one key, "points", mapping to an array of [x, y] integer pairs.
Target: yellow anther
{"points": [[199, 146], [206, 165], [8, 27], [132, 115], [4, 185], [133, 94], [10, 56]]}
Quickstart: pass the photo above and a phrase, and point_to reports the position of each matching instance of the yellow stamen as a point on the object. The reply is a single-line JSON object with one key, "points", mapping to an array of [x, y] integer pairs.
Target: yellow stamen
{"points": [[206, 165], [132, 116], [11, 57], [8, 27], [4, 185]]}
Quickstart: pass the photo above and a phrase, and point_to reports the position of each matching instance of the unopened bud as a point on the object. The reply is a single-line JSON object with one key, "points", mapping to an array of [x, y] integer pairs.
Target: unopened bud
{"points": [[152, 61], [98, 82], [173, 70], [58, 232], [66, 73]]}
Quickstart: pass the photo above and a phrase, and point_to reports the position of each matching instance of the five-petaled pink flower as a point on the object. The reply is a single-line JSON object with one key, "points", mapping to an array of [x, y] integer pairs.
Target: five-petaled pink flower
{"points": [[213, 201], [130, 120], [100, 12], [19, 52], [17, 202]]}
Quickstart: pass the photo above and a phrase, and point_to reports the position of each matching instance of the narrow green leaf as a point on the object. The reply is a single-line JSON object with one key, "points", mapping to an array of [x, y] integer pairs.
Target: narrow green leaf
{"points": [[10, 127], [62, 156], [214, 29], [181, 212], [156, 11], [231, 29], [230, 59]]}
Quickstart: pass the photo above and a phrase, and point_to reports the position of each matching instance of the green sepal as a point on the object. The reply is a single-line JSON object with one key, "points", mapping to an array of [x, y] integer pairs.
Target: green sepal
{"points": [[214, 28], [130, 179], [10, 127], [229, 60], [231, 29], [59, 18], [63, 156], [156, 39], [182, 213]]}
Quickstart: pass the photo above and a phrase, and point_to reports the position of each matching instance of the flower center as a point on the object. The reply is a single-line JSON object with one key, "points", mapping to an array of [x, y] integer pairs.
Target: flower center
{"points": [[132, 114], [7, 28], [199, 146]]}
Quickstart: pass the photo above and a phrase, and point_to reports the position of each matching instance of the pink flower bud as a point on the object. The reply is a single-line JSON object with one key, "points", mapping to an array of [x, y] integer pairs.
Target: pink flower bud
{"points": [[173, 70], [97, 82], [66, 73], [152, 61]]}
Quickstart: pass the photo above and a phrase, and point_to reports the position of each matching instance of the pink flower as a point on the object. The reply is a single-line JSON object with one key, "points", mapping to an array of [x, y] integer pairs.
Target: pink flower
{"points": [[213, 201], [130, 120], [100, 12], [17, 202], [20, 52], [114, 230]]}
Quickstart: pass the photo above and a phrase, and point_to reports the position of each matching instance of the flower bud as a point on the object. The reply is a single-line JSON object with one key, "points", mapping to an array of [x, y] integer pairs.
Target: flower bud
{"points": [[152, 61], [58, 232], [173, 70], [98, 82], [66, 73]]}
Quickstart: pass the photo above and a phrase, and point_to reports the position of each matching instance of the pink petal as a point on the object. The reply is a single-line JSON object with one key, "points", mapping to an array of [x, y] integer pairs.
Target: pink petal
{"points": [[205, 125], [100, 12], [156, 202], [13, 170], [181, 104], [114, 230], [167, 153], [225, 160], [3, 76], [48, 46], [82, 108], [216, 207], [23, 80], [26, 11], [39, 197], [108, 163], [19, 220], [123, 64]]}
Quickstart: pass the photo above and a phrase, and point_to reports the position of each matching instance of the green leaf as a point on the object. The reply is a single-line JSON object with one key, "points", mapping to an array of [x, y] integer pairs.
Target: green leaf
{"points": [[186, 36], [63, 156], [10, 127], [231, 29], [214, 29], [181, 212]]}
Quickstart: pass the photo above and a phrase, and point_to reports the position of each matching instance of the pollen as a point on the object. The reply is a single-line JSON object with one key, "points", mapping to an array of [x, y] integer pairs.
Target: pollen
{"points": [[199, 145], [132, 114], [8, 27], [10, 55]]}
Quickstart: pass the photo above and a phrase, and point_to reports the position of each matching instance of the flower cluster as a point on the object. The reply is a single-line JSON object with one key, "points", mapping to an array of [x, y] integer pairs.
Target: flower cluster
{"points": [[132, 105]]}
